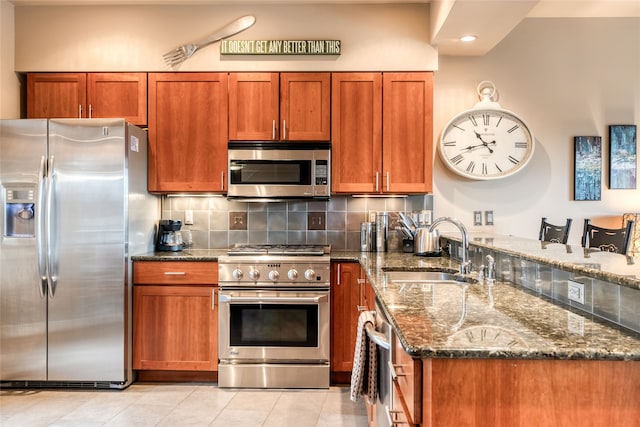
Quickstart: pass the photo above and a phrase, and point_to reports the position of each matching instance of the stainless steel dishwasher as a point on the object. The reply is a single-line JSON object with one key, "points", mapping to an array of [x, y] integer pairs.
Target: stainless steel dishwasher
{"points": [[384, 343]]}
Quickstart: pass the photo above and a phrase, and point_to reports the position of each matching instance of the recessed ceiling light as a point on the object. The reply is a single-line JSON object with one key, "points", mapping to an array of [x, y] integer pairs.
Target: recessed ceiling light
{"points": [[468, 38]]}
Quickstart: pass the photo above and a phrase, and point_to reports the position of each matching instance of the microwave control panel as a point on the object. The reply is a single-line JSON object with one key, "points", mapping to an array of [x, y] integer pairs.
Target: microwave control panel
{"points": [[322, 172]]}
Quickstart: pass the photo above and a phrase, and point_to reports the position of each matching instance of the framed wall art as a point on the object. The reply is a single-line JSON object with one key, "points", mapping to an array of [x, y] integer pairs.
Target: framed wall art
{"points": [[588, 167], [622, 156]]}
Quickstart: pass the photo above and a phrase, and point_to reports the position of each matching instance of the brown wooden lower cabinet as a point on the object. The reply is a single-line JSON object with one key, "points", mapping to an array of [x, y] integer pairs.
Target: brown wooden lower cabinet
{"points": [[522, 393], [175, 319]]}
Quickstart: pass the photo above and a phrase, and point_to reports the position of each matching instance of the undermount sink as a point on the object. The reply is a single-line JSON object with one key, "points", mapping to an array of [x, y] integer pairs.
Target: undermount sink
{"points": [[422, 277]]}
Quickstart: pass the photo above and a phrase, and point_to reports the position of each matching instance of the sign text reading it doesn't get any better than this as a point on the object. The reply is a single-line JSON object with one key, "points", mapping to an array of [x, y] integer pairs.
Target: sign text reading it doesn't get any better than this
{"points": [[280, 47]]}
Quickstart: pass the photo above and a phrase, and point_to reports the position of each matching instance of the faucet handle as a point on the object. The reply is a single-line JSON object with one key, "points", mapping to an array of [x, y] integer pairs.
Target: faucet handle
{"points": [[465, 267]]}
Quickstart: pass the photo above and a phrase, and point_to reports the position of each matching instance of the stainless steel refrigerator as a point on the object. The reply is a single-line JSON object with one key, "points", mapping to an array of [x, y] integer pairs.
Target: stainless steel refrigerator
{"points": [[74, 208]]}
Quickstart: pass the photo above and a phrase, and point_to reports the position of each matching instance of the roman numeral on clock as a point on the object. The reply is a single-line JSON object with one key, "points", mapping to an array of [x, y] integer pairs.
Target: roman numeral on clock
{"points": [[457, 159], [513, 160], [450, 144], [471, 167], [484, 169], [485, 119], [498, 167], [473, 120], [513, 128], [521, 144]]}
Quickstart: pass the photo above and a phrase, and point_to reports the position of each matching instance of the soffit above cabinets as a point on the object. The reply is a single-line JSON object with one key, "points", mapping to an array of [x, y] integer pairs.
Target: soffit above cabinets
{"points": [[489, 20]]}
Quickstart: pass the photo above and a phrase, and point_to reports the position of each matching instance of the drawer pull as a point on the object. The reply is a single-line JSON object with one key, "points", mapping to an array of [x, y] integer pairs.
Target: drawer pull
{"points": [[175, 273]]}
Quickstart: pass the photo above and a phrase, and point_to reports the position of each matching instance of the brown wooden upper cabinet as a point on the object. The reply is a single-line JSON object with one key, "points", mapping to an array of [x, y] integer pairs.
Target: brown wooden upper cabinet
{"points": [[382, 132], [88, 95], [188, 123], [279, 106]]}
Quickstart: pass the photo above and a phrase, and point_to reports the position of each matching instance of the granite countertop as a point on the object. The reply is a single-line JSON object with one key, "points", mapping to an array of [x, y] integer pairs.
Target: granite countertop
{"points": [[184, 255], [472, 319], [487, 319]]}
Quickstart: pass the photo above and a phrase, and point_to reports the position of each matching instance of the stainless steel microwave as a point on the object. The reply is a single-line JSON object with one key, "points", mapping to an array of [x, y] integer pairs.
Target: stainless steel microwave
{"points": [[279, 170]]}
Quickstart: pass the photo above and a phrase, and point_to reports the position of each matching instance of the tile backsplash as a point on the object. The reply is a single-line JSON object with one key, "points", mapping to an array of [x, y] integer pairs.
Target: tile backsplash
{"points": [[219, 223]]}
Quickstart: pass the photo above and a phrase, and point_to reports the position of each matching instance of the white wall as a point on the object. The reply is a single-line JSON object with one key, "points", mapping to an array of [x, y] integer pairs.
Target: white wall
{"points": [[133, 38], [565, 77], [9, 85]]}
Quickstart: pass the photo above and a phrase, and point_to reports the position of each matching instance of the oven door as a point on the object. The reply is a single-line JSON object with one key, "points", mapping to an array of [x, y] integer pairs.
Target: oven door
{"points": [[267, 326]]}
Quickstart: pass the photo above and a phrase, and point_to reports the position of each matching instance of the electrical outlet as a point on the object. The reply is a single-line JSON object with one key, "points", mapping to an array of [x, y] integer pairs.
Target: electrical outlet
{"points": [[237, 220], [316, 221], [477, 217], [372, 216], [575, 291], [488, 217], [188, 217]]}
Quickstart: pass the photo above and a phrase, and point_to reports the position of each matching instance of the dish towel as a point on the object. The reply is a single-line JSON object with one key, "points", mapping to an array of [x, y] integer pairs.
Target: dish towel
{"points": [[365, 366]]}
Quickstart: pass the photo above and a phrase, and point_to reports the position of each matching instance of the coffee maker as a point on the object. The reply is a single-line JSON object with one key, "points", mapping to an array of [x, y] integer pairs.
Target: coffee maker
{"points": [[169, 236]]}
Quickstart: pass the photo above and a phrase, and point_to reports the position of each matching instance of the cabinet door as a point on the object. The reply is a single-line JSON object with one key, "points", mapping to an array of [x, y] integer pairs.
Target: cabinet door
{"points": [[118, 95], [253, 106], [188, 119], [344, 314], [56, 95], [356, 132], [175, 328], [305, 103], [407, 132]]}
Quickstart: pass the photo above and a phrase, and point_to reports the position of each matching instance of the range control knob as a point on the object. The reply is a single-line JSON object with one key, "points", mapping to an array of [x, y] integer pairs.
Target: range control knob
{"points": [[292, 274], [237, 274], [254, 274], [274, 275], [310, 274]]}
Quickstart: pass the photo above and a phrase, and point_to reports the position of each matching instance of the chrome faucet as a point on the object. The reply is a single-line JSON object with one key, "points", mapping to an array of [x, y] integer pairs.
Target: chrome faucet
{"points": [[465, 267]]}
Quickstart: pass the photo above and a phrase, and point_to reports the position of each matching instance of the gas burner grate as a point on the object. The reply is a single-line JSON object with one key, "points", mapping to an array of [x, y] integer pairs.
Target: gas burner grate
{"points": [[279, 249]]}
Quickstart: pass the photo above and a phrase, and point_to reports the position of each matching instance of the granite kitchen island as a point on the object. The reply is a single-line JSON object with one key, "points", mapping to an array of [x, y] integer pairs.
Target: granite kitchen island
{"points": [[503, 352]]}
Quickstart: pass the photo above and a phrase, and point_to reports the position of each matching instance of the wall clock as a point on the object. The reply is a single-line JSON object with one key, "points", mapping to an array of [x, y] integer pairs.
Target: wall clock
{"points": [[486, 141]]}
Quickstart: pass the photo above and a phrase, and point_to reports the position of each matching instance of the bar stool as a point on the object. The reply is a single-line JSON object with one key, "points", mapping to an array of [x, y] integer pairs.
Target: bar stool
{"points": [[607, 239], [554, 233]]}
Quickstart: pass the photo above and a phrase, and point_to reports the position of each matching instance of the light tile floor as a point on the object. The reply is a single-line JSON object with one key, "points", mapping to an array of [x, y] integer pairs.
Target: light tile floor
{"points": [[178, 405]]}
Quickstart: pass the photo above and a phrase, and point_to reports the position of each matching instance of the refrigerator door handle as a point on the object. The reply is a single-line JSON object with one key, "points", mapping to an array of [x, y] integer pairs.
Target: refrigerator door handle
{"points": [[51, 273], [41, 249]]}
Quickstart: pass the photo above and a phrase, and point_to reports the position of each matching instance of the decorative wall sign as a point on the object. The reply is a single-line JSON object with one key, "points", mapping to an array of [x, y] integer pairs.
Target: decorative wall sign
{"points": [[280, 47], [622, 156], [588, 167]]}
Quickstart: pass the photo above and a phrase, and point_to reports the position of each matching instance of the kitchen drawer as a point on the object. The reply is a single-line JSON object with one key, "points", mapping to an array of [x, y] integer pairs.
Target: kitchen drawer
{"points": [[407, 378], [175, 273]]}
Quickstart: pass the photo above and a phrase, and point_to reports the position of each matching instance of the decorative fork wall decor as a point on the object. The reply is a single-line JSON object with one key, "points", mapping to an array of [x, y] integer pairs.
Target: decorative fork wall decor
{"points": [[182, 53]]}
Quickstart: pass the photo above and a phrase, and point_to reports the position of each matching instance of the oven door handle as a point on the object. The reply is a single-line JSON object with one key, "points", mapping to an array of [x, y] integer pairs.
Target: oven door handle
{"points": [[274, 300]]}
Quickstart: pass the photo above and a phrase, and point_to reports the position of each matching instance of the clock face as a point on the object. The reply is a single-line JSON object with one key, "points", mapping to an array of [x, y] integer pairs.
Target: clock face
{"points": [[486, 144]]}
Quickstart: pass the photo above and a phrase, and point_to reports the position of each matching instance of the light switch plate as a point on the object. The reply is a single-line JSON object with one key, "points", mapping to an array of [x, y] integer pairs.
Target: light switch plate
{"points": [[477, 217], [188, 217], [488, 217]]}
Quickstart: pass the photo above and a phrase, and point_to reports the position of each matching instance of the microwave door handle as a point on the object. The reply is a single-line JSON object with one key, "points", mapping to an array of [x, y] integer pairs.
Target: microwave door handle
{"points": [[273, 129], [284, 129]]}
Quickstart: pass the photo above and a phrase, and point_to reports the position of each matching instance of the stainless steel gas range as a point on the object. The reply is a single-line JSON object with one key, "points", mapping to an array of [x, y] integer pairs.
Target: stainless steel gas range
{"points": [[274, 316]]}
